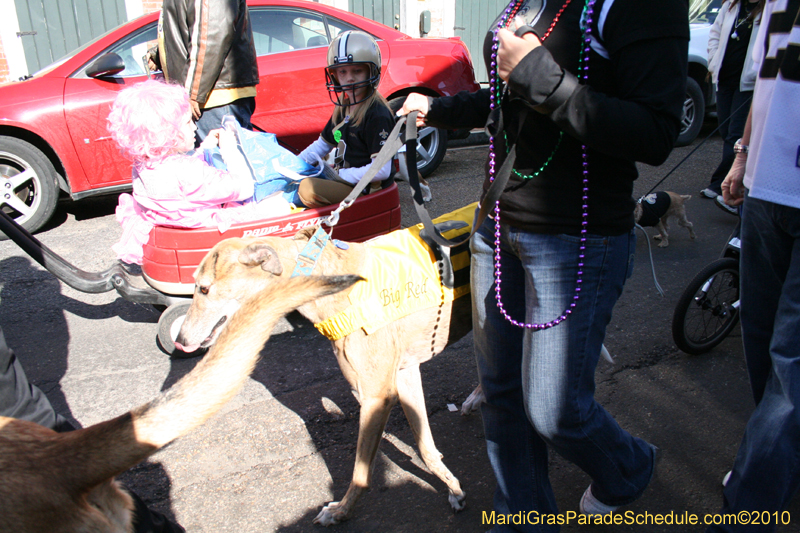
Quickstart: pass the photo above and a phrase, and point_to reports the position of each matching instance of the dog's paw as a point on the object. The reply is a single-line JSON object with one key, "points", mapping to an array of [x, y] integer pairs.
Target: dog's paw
{"points": [[427, 196], [330, 515], [473, 401], [657, 236], [457, 502], [663, 244]]}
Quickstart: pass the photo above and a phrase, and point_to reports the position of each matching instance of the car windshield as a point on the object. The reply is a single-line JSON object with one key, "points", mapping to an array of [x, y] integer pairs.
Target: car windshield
{"points": [[703, 11]]}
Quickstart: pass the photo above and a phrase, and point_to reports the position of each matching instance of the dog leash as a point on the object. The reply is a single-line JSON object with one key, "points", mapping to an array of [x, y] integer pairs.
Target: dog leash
{"points": [[652, 263], [309, 255], [690, 154]]}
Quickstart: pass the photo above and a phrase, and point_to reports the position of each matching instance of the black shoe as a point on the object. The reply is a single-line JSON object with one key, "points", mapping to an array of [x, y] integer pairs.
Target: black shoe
{"points": [[725, 207]]}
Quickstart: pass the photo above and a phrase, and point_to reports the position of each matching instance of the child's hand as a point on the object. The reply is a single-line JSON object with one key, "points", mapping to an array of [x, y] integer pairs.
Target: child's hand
{"points": [[211, 140], [226, 140]]}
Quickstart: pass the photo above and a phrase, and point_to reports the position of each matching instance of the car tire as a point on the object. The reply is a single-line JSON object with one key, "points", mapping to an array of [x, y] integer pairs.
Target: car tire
{"points": [[694, 108], [431, 143], [28, 186]]}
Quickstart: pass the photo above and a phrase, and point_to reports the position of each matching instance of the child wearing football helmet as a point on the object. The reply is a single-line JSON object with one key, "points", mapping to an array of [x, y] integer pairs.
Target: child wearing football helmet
{"points": [[359, 126]]}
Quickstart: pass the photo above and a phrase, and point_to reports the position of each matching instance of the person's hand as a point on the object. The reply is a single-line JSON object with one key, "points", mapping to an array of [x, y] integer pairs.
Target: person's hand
{"points": [[226, 140], [512, 49], [733, 184], [195, 109], [211, 140], [152, 55], [416, 102]]}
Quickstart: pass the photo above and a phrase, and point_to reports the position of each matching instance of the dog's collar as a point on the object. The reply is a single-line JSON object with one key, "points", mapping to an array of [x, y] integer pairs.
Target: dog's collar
{"points": [[309, 255]]}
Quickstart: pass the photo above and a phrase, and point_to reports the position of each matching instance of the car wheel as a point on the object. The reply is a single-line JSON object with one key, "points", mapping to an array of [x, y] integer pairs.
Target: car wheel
{"points": [[694, 108], [169, 325], [28, 186], [431, 143]]}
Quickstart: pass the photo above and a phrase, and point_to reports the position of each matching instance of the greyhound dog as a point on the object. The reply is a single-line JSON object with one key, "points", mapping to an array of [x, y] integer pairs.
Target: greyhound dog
{"points": [[64, 482], [382, 366]]}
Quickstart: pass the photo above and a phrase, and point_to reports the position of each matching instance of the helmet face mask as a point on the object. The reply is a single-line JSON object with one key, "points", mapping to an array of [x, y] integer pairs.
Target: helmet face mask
{"points": [[352, 48]]}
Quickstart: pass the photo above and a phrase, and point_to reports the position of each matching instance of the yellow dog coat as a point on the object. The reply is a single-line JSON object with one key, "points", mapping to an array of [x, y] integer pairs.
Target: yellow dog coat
{"points": [[401, 278]]}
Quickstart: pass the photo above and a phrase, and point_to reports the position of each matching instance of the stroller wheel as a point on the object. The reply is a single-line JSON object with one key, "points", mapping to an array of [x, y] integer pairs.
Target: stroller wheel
{"points": [[169, 325]]}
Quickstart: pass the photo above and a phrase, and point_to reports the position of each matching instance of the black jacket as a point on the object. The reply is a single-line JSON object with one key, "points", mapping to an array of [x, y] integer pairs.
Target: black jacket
{"points": [[221, 55], [628, 111]]}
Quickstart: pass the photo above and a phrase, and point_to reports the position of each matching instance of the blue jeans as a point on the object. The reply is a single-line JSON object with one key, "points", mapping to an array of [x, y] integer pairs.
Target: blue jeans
{"points": [[766, 471], [539, 385], [733, 107], [211, 118]]}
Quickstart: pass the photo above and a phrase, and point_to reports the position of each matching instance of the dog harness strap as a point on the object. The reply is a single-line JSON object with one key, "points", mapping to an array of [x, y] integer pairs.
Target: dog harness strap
{"points": [[402, 277], [309, 255], [654, 206]]}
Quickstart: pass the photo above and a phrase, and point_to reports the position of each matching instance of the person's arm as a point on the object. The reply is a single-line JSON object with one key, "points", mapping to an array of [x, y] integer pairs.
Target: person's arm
{"points": [[640, 122], [354, 175], [21, 399], [316, 151], [714, 33], [202, 184], [733, 184], [463, 110]]}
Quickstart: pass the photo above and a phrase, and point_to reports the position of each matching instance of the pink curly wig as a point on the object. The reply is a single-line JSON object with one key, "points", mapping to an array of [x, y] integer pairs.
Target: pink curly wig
{"points": [[146, 121]]}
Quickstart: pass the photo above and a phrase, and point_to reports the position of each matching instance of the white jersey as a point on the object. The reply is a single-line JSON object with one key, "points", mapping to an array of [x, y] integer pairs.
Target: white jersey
{"points": [[773, 168]]}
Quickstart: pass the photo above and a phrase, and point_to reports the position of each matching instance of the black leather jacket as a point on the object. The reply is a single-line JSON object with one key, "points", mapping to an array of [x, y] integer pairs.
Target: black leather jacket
{"points": [[222, 54]]}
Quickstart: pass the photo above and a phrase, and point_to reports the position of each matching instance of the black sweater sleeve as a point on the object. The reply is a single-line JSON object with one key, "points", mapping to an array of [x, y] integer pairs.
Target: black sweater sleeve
{"points": [[463, 110], [640, 124], [639, 119]]}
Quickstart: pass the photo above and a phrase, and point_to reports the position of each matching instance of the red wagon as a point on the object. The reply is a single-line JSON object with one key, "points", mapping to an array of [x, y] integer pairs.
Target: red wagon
{"points": [[172, 254]]}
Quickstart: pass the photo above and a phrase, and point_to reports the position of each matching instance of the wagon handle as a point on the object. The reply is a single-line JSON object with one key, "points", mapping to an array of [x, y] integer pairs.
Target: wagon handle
{"points": [[113, 278]]}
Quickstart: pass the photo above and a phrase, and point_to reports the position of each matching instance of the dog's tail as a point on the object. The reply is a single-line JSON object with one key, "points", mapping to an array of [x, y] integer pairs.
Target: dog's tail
{"points": [[118, 444]]}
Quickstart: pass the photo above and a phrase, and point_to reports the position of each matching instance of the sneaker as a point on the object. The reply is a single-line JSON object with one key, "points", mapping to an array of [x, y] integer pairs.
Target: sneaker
{"points": [[727, 478], [708, 193], [725, 207], [591, 505]]}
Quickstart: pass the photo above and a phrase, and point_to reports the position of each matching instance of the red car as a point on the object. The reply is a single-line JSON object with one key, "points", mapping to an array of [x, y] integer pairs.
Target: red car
{"points": [[53, 134]]}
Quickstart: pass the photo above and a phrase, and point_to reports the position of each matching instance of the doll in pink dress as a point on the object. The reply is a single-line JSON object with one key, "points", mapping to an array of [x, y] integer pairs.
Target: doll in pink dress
{"points": [[172, 183]]}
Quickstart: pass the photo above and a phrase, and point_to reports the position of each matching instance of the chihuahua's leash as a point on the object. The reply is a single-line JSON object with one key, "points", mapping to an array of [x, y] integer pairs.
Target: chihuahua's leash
{"points": [[652, 263], [697, 147]]}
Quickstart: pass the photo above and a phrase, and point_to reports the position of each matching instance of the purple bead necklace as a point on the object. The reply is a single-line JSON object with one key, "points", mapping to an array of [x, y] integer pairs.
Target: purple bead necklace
{"points": [[495, 100]]}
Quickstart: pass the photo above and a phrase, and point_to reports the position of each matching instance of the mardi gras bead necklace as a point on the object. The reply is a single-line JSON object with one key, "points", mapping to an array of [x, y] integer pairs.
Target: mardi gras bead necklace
{"points": [[495, 100]]}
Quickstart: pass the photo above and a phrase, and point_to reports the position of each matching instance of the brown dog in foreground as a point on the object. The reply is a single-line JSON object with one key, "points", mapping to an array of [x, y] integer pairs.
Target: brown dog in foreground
{"points": [[64, 482], [655, 209], [381, 367]]}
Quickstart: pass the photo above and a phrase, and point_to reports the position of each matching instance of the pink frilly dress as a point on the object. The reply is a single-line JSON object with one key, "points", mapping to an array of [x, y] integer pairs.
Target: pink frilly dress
{"points": [[185, 191]]}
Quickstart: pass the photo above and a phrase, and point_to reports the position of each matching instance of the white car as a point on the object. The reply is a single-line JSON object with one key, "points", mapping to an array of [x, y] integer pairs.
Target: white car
{"points": [[700, 93]]}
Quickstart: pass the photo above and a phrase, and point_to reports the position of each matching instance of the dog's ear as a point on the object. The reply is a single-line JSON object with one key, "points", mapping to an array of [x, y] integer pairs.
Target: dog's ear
{"points": [[305, 233], [263, 254]]}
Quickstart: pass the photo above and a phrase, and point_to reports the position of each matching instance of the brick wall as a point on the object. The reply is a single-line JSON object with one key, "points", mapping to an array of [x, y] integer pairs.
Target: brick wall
{"points": [[148, 6]]}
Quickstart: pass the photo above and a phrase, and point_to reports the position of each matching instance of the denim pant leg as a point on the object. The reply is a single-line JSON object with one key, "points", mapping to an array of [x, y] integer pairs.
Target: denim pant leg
{"points": [[518, 455], [211, 118], [733, 107], [554, 368], [766, 471]]}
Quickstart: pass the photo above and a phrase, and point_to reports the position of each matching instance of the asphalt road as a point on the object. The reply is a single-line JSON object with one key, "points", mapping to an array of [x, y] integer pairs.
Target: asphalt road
{"points": [[285, 445]]}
